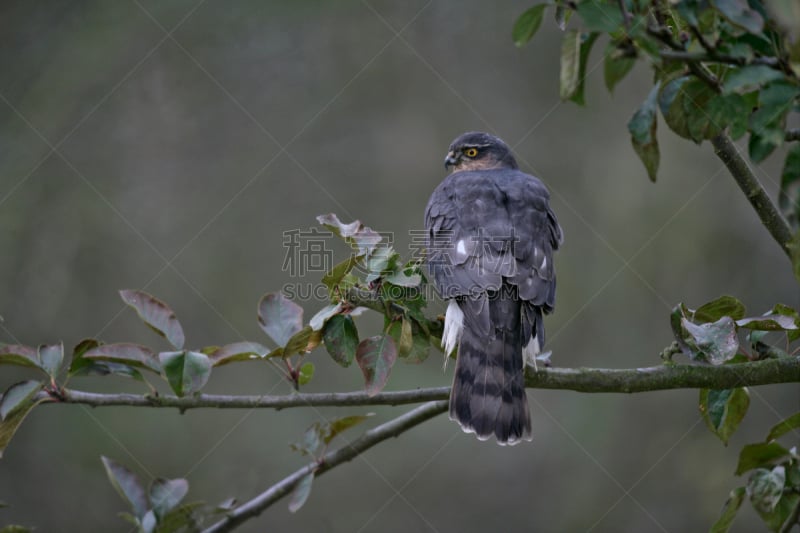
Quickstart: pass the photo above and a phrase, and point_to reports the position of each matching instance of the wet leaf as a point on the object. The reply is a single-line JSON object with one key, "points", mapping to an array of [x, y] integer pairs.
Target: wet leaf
{"points": [[19, 396], [14, 354], [279, 317], [768, 323], [322, 316], [759, 455], [186, 372], [642, 127], [166, 494], [765, 488], [713, 342], [128, 485], [356, 234], [376, 356], [156, 314], [127, 354], [341, 339], [301, 492], [51, 357], [724, 410], [732, 505], [528, 24]]}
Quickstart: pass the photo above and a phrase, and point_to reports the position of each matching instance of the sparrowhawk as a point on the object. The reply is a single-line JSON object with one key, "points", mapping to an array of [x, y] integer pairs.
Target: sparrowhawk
{"points": [[490, 239]]}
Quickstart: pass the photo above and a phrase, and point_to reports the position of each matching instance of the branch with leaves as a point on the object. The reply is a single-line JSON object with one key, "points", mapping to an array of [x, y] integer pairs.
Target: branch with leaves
{"points": [[722, 70]]}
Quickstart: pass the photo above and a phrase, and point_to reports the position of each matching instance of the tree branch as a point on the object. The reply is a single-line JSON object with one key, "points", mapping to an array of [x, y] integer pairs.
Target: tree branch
{"points": [[370, 438], [758, 197], [793, 135], [588, 380], [707, 57]]}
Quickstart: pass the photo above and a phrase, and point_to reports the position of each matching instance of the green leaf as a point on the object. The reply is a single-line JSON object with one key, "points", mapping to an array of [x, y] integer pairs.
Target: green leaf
{"points": [[341, 339], [777, 520], [322, 316], [789, 198], [302, 342], [695, 101], [600, 15], [376, 356], [186, 372], [713, 342], [381, 262], [724, 410], [749, 77], [338, 273], [725, 520], [301, 492], [417, 346], [79, 364], [765, 488], [760, 146], [128, 485], [183, 519], [616, 65], [406, 338], [670, 101], [729, 111], [336, 426], [237, 351], [574, 55], [127, 354], [279, 317], [528, 24], [13, 528], [156, 315], [166, 494], [794, 248], [760, 455], [716, 309], [562, 16], [51, 357], [738, 13], [306, 373], [783, 427], [768, 323], [11, 354], [18, 396], [642, 127], [10, 424]]}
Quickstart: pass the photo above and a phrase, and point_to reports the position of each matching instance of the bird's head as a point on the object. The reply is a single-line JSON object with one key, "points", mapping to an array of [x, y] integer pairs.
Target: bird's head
{"points": [[476, 150]]}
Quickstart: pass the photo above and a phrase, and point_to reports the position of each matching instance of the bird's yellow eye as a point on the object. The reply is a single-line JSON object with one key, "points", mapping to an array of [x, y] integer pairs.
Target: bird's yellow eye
{"points": [[471, 152]]}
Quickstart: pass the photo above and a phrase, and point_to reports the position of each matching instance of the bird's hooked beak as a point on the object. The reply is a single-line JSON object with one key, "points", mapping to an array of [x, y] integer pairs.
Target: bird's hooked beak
{"points": [[451, 160]]}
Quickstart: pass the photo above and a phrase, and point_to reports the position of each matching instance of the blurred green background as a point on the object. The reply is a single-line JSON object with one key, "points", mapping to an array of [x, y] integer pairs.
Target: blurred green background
{"points": [[189, 137]]}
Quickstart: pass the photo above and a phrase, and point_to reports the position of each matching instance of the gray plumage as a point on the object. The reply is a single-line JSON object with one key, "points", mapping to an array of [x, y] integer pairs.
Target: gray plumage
{"points": [[490, 238]]}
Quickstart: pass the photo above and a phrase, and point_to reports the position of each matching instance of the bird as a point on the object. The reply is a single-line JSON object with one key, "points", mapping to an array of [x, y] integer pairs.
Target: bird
{"points": [[490, 237]]}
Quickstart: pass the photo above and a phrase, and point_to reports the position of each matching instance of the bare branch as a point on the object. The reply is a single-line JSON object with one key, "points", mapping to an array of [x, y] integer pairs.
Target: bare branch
{"points": [[751, 187], [370, 438], [589, 380]]}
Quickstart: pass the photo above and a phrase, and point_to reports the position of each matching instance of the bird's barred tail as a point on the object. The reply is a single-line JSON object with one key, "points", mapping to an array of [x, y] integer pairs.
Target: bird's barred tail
{"points": [[488, 395]]}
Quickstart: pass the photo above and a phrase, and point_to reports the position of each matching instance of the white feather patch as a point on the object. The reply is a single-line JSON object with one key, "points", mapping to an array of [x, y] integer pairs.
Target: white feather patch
{"points": [[530, 351], [453, 325]]}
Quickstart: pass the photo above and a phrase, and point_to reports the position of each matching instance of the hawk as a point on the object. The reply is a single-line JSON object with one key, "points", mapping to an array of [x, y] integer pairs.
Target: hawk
{"points": [[490, 237]]}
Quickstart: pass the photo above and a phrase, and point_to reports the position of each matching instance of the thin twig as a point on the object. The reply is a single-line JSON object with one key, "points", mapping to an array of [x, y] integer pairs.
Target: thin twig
{"points": [[753, 190], [705, 57], [370, 438]]}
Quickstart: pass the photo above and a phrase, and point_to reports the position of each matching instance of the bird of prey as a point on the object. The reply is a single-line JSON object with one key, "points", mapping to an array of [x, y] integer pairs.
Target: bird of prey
{"points": [[490, 237]]}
